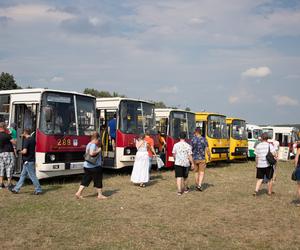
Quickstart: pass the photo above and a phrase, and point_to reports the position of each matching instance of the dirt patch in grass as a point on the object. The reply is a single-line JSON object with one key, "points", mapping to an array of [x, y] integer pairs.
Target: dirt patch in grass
{"points": [[224, 216]]}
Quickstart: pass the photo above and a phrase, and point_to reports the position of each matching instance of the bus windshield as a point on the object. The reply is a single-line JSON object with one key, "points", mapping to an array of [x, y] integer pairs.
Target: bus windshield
{"points": [[238, 130], [137, 117], [216, 127], [58, 114], [182, 122], [256, 133], [269, 131]]}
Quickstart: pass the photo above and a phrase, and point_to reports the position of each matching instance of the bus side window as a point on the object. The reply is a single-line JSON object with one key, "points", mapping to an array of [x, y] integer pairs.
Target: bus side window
{"points": [[249, 134]]}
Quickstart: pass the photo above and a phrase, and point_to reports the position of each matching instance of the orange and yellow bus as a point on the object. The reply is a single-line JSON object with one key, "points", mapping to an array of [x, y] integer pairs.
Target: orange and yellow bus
{"points": [[238, 138], [213, 127]]}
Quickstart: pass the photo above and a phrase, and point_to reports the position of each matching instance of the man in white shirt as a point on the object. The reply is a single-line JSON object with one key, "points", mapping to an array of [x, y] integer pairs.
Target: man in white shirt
{"points": [[182, 152], [263, 168]]}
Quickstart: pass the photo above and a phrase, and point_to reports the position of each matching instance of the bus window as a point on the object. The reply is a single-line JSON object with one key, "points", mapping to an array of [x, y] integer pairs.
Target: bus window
{"points": [[4, 108], [249, 134], [201, 125], [86, 115], [162, 125], [62, 111]]}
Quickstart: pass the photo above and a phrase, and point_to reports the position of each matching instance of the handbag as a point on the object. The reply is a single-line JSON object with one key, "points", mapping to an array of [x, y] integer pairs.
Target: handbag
{"points": [[270, 158], [91, 159], [160, 163]]}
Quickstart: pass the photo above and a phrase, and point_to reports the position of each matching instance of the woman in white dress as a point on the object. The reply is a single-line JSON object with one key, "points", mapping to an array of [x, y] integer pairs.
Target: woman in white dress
{"points": [[140, 171]]}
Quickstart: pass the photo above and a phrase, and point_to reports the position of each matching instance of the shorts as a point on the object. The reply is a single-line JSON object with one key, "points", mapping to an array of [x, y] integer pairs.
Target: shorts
{"points": [[94, 174], [7, 162], [200, 165], [262, 172], [181, 172]]}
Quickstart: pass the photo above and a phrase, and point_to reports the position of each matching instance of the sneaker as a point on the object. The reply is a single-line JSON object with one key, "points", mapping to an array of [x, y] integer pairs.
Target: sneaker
{"points": [[37, 193], [10, 187], [199, 188], [14, 191], [187, 189], [179, 193]]}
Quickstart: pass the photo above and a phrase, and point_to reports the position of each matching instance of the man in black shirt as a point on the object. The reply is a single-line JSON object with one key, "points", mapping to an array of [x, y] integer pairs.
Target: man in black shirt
{"points": [[6, 155], [28, 156]]}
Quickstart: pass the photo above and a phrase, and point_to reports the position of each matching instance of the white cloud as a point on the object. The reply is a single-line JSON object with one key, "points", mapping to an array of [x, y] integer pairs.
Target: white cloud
{"points": [[168, 90], [282, 100], [57, 79], [31, 12], [233, 99], [257, 72]]}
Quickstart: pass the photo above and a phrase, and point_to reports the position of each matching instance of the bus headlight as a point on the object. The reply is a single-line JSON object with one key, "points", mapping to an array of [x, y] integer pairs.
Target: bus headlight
{"points": [[52, 157], [213, 151], [127, 151]]}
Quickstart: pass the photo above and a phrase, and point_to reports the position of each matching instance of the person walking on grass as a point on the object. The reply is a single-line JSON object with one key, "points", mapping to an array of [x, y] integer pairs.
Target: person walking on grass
{"points": [[28, 157], [92, 171], [7, 157], [182, 153], [140, 172], [263, 168], [297, 165], [199, 148]]}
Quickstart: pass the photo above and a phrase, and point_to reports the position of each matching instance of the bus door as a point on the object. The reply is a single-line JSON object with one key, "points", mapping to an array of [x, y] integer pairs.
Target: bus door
{"points": [[25, 117], [108, 145], [162, 126]]}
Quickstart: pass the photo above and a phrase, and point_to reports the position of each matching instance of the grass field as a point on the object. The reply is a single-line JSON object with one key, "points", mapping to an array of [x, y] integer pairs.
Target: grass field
{"points": [[224, 216]]}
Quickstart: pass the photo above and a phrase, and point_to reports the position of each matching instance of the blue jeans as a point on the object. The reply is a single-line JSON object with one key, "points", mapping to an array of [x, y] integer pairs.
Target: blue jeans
{"points": [[28, 169]]}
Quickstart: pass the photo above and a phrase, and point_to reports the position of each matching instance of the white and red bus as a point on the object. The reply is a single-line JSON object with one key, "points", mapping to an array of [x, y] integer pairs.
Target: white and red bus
{"points": [[133, 117], [170, 122], [61, 121]]}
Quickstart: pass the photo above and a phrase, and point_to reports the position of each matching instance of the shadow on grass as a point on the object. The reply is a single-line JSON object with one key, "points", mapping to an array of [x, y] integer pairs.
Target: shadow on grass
{"points": [[295, 202], [51, 188], [107, 193]]}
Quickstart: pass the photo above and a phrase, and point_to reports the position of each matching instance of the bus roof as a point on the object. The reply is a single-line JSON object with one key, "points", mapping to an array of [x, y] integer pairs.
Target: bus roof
{"points": [[38, 90], [114, 102], [230, 119], [202, 116], [165, 112], [252, 126], [281, 129]]}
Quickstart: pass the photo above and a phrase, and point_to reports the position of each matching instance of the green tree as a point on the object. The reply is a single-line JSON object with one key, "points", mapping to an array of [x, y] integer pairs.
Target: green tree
{"points": [[160, 104], [7, 81], [97, 93]]}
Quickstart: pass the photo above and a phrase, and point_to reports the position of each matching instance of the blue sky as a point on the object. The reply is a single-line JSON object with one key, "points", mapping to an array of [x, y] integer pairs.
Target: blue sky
{"points": [[239, 58]]}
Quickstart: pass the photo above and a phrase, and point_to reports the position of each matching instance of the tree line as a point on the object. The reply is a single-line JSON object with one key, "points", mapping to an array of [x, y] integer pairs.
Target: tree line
{"points": [[7, 82]]}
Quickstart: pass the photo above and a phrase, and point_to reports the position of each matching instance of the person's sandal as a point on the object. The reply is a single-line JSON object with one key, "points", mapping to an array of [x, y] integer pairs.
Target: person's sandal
{"points": [[179, 193], [186, 190], [255, 193]]}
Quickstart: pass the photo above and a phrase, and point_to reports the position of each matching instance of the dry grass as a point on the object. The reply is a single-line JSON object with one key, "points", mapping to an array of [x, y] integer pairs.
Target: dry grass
{"points": [[224, 216]]}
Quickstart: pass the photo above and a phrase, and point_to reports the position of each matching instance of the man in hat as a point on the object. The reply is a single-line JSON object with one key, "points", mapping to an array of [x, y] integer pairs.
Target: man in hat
{"points": [[28, 157]]}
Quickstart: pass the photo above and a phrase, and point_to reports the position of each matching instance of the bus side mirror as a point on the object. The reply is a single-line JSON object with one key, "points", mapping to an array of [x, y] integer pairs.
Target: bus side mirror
{"points": [[48, 114]]}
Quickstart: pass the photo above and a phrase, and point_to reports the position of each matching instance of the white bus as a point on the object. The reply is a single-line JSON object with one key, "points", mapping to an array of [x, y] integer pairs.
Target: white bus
{"points": [[254, 132], [286, 136], [133, 117], [61, 122]]}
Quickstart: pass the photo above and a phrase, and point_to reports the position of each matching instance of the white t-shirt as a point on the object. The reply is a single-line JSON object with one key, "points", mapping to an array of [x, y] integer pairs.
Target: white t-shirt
{"points": [[261, 152], [182, 150]]}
